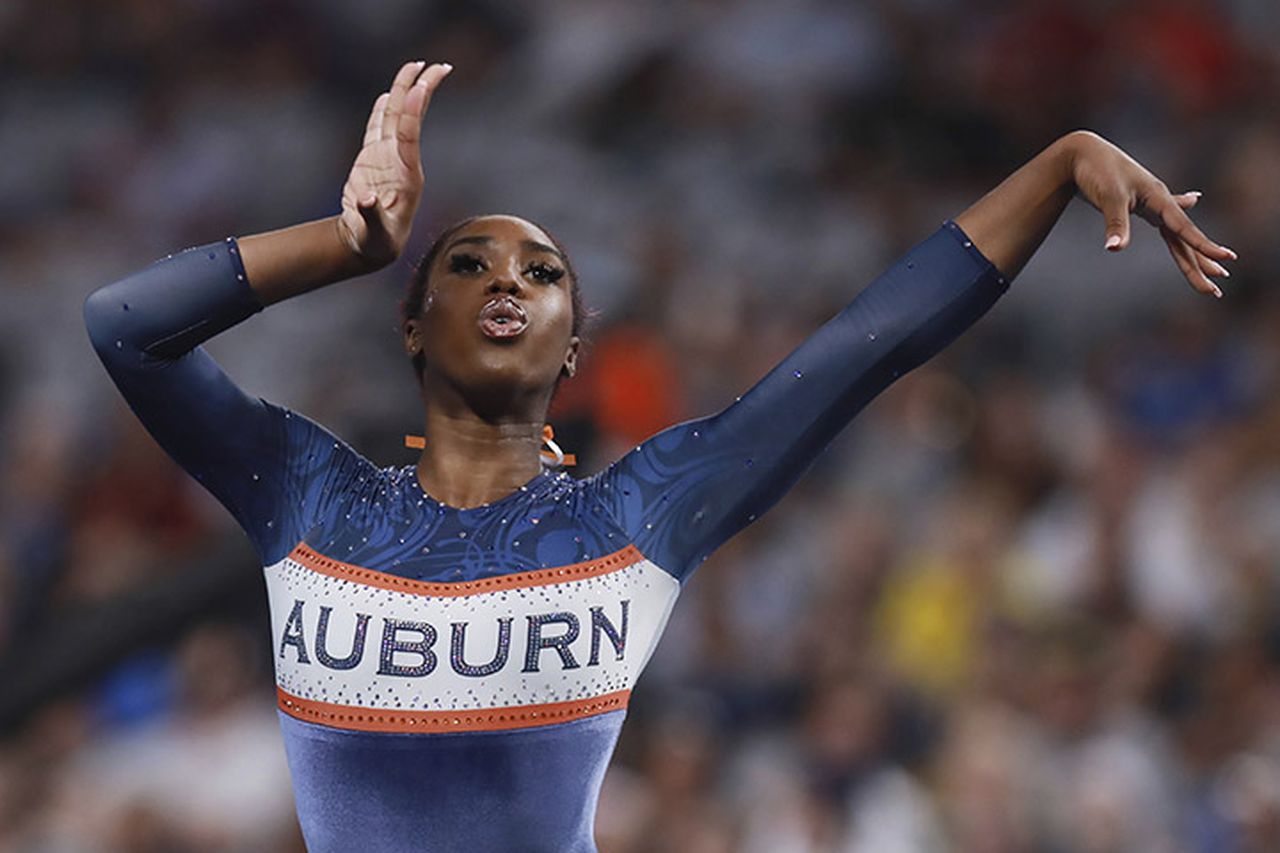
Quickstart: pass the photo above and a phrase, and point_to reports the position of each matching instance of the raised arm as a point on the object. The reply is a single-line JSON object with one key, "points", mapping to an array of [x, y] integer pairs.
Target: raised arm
{"points": [[686, 490], [147, 328]]}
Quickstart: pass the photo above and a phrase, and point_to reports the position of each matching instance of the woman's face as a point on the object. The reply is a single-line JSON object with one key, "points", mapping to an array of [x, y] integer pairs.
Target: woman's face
{"points": [[497, 320]]}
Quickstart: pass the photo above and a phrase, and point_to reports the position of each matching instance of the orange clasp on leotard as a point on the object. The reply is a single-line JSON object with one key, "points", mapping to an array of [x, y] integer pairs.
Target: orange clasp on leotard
{"points": [[553, 454]]}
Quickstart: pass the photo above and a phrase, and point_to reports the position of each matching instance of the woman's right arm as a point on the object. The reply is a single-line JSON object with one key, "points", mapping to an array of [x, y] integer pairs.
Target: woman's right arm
{"points": [[147, 328]]}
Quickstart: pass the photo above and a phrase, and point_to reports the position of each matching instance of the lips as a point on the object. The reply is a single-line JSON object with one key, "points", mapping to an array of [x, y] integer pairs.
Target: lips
{"points": [[502, 318]]}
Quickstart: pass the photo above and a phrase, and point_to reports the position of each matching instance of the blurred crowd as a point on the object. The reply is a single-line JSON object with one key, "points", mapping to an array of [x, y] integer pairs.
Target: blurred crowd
{"points": [[1029, 601]]}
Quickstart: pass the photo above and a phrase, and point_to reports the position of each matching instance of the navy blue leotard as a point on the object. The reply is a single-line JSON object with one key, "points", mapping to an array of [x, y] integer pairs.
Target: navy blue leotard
{"points": [[455, 679]]}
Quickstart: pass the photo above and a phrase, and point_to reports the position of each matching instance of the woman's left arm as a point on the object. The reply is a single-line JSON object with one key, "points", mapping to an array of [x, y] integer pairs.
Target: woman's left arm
{"points": [[686, 490], [1009, 223]]}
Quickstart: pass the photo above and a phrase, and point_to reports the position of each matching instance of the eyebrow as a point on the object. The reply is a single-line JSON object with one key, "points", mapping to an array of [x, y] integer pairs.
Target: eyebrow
{"points": [[531, 245], [535, 246], [481, 240]]}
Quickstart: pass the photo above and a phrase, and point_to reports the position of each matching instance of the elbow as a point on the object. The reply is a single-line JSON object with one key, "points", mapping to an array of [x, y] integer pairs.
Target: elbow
{"points": [[104, 314]]}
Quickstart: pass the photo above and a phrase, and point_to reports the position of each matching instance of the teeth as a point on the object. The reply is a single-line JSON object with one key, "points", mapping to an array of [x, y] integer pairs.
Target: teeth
{"points": [[500, 313], [503, 310]]}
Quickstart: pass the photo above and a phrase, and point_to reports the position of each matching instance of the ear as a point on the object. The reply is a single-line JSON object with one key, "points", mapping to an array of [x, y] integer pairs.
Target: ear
{"points": [[570, 365], [412, 338]]}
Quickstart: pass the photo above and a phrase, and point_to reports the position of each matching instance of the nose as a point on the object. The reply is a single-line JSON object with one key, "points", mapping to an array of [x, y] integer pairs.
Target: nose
{"points": [[505, 280]]}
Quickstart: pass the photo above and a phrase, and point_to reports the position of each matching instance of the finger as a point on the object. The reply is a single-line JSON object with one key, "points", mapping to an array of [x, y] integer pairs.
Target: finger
{"points": [[1185, 257], [435, 76], [409, 122], [373, 130], [1188, 200], [1115, 209], [1212, 267], [1177, 221], [399, 90]]}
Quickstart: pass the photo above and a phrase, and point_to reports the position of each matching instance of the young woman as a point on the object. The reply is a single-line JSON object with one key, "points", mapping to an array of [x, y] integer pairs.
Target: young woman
{"points": [[455, 640]]}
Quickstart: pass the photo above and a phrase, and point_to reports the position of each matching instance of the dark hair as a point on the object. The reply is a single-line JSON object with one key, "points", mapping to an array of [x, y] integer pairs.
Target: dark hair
{"points": [[416, 292]]}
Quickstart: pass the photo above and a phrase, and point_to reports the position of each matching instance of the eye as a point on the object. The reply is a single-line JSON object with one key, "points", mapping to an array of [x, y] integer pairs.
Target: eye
{"points": [[545, 273], [465, 264]]}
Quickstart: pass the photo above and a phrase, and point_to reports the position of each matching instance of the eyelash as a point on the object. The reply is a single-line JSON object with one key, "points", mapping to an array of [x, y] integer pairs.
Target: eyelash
{"points": [[465, 264], [544, 273]]}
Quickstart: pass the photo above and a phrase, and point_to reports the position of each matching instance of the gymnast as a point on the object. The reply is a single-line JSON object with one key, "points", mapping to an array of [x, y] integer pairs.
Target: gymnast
{"points": [[455, 641]]}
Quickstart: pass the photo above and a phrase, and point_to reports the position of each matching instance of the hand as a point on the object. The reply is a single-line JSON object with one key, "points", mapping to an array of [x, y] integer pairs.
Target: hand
{"points": [[382, 191], [1117, 185]]}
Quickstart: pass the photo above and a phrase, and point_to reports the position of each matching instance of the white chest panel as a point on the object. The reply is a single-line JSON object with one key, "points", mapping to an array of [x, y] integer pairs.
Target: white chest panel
{"points": [[360, 649]]}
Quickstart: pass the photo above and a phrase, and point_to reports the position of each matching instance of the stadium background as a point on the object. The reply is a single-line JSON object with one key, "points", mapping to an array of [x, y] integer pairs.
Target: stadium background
{"points": [[1029, 601]]}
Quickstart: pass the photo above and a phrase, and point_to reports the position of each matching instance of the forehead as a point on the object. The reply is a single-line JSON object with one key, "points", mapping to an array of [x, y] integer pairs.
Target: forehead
{"points": [[503, 229]]}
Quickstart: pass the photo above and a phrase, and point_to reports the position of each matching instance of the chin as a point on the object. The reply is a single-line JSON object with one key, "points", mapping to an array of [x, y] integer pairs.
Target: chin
{"points": [[508, 375]]}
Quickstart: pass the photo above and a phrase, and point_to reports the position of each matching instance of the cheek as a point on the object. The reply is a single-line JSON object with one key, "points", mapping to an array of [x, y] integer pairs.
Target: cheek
{"points": [[444, 332], [559, 314], [441, 312]]}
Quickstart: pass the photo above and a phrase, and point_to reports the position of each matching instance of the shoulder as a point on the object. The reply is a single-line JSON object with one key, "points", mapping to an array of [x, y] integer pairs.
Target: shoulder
{"points": [[312, 446], [323, 475]]}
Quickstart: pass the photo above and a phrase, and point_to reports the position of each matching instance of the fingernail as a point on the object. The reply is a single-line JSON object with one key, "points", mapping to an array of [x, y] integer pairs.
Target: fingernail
{"points": [[1234, 256], [1195, 193], [1113, 241], [446, 66], [1217, 292]]}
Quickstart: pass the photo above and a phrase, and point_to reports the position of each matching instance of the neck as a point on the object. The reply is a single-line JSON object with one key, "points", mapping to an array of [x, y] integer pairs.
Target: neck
{"points": [[470, 460]]}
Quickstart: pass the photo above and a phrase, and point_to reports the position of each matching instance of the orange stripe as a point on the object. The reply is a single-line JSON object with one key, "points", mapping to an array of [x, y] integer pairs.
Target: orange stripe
{"points": [[483, 720], [617, 561]]}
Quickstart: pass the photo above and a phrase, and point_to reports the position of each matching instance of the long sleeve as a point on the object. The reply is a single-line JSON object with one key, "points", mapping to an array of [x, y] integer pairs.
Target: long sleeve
{"points": [[147, 329], [686, 490]]}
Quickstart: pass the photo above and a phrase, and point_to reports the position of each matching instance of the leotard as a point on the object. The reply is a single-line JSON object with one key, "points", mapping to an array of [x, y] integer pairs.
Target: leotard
{"points": [[456, 679]]}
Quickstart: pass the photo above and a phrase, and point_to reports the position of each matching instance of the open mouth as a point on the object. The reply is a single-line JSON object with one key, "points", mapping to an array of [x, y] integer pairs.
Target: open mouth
{"points": [[502, 318]]}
